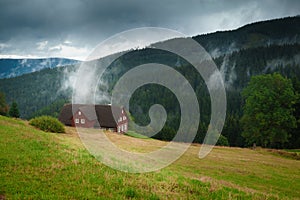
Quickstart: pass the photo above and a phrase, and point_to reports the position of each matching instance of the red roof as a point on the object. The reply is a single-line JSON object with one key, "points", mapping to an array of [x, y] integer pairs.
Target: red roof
{"points": [[102, 113]]}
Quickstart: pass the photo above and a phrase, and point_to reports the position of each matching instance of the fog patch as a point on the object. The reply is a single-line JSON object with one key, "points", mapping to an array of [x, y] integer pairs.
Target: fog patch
{"points": [[273, 64]]}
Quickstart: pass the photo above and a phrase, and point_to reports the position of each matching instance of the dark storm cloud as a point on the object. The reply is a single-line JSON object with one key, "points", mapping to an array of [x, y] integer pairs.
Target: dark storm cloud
{"points": [[85, 23]]}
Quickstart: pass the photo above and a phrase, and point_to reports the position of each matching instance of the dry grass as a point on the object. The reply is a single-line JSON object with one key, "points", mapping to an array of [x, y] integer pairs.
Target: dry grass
{"points": [[250, 171]]}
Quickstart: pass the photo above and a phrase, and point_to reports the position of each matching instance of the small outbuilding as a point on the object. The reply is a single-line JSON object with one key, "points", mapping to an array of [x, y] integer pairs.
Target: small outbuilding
{"points": [[95, 116]]}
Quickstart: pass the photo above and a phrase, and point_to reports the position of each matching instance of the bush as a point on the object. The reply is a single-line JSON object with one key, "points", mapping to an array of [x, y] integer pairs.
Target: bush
{"points": [[167, 134], [222, 141], [48, 124]]}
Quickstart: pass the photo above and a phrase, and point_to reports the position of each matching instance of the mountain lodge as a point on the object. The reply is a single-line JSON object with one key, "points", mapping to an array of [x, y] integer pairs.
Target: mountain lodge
{"points": [[94, 116]]}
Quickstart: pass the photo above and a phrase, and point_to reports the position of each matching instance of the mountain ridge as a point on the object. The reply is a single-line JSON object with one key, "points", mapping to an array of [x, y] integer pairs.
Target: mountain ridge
{"points": [[274, 31], [10, 67]]}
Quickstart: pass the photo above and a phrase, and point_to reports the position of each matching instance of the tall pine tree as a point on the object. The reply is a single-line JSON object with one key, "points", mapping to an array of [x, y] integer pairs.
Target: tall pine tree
{"points": [[14, 111]]}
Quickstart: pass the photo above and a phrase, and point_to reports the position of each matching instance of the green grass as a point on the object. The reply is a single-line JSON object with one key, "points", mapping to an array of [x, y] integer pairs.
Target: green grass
{"points": [[293, 150], [39, 165], [136, 135], [287, 153]]}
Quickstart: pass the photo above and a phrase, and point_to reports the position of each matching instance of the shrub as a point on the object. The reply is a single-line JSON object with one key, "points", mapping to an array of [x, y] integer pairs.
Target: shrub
{"points": [[167, 134], [222, 141], [48, 124]]}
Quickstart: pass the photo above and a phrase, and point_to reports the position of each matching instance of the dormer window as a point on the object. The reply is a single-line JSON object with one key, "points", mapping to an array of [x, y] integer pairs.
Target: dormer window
{"points": [[79, 113]]}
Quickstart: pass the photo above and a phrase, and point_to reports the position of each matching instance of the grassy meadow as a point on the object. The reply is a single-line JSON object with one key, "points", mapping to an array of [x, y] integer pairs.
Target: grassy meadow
{"points": [[39, 165]]}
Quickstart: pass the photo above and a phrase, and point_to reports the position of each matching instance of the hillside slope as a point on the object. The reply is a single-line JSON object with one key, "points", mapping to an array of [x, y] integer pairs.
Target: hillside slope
{"points": [[39, 165]]}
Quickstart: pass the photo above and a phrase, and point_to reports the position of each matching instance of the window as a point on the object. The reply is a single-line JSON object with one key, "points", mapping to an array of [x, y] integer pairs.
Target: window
{"points": [[125, 127], [122, 128], [124, 117], [79, 113], [83, 121], [119, 129], [76, 121], [120, 119]]}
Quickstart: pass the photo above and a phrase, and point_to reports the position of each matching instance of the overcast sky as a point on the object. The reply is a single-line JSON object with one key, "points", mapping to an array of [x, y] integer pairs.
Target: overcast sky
{"points": [[72, 28]]}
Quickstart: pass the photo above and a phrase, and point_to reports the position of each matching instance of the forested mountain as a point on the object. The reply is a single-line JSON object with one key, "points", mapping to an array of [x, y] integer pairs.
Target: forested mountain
{"points": [[37, 90], [15, 67], [259, 48], [265, 33]]}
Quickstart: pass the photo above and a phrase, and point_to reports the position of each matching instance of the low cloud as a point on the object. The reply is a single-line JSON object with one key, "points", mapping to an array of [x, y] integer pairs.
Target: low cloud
{"points": [[41, 45], [76, 27], [68, 51]]}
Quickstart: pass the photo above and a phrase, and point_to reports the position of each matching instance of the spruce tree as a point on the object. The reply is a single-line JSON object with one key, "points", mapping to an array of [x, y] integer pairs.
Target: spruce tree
{"points": [[14, 111]]}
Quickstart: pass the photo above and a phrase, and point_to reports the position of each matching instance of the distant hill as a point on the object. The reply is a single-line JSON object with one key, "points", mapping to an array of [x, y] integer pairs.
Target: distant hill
{"points": [[15, 67]]}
